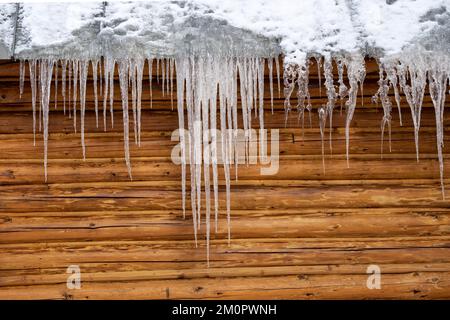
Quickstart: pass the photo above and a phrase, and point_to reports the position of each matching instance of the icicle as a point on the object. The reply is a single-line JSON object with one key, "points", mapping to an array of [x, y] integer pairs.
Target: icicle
{"points": [[414, 91], [180, 109], [33, 75], [331, 93], [393, 80], [356, 73], [105, 90], [277, 66], [343, 90], [139, 77], [383, 95], [437, 79], [185, 72], [254, 79], [243, 90], [157, 70], [56, 83], [94, 74], [132, 81], [167, 79], [198, 134], [260, 70], [322, 112], [112, 67], [270, 66], [21, 77], [63, 83], [232, 117], [233, 150], [251, 88], [319, 65], [206, 159], [150, 78], [171, 71], [290, 74], [45, 76], [123, 79], [38, 64], [69, 65], [136, 76], [163, 76], [303, 91], [75, 83], [83, 77], [213, 125], [100, 73], [227, 134]]}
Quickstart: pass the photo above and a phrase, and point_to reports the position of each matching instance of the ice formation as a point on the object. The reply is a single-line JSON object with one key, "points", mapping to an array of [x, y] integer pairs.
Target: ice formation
{"points": [[208, 84], [214, 57], [205, 86]]}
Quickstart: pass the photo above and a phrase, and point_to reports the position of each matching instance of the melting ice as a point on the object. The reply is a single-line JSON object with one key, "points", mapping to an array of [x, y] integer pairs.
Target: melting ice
{"points": [[208, 89]]}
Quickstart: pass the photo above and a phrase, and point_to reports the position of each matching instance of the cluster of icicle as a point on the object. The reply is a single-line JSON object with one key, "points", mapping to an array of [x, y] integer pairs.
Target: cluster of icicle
{"points": [[408, 74], [74, 75], [297, 76], [205, 85]]}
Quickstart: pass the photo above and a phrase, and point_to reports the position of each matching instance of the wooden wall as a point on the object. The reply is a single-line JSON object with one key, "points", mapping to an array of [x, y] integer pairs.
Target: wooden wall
{"points": [[301, 234]]}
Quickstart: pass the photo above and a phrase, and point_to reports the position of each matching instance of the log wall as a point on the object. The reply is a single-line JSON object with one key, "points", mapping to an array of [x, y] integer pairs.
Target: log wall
{"points": [[302, 233]]}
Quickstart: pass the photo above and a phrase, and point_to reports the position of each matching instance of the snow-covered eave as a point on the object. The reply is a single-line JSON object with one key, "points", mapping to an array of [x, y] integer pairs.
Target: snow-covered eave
{"points": [[252, 27]]}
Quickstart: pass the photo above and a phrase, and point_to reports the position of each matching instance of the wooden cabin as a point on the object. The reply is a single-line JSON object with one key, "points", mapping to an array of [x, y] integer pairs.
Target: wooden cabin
{"points": [[303, 233]]}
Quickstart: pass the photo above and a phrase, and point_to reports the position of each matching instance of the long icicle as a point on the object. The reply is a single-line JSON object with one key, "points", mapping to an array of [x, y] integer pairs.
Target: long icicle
{"points": [[123, 80], [437, 79], [356, 73], [46, 71], [63, 83], [21, 77], [33, 76], [180, 109], [331, 94], [75, 89], [105, 90], [139, 78], [84, 65], [94, 75], [56, 83]]}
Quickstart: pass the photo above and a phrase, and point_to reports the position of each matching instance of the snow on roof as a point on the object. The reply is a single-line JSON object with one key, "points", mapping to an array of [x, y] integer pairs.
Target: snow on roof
{"points": [[254, 27], [7, 22]]}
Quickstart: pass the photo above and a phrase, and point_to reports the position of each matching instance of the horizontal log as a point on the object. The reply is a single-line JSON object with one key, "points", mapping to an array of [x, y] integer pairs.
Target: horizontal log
{"points": [[19, 171], [354, 222], [121, 256], [407, 286], [291, 143], [258, 195], [143, 275], [16, 122]]}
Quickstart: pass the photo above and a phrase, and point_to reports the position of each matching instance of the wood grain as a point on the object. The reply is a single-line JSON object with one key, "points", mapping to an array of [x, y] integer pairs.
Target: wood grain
{"points": [[302, 233]]}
